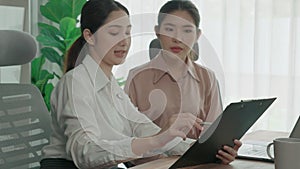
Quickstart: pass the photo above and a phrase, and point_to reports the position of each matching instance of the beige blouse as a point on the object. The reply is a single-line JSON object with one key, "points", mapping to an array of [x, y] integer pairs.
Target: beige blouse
{"points": [[159, 92]]}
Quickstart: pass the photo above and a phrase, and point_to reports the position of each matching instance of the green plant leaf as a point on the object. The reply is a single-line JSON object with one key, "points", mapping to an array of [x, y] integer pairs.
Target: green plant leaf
{"points": [[66, 26], [43, 82], [47, 97], [55, 41], [69, 30], [55, 10], [121, 81], [43, 74], [50, 36], [46, 27], [74, 35], [76, 7], [36, 66], [49, 41], [52, 55]]}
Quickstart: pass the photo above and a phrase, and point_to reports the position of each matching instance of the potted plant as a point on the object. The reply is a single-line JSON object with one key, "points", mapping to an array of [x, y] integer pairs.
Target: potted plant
{"points": [[55, 39]]}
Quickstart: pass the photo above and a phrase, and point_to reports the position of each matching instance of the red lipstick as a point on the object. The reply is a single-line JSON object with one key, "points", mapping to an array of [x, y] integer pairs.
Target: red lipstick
{"points": [[176, 49]]}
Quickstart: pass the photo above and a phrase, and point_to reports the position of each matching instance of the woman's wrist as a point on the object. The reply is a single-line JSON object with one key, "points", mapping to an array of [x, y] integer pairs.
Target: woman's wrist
{"points": [[158, 140], [144, 145], [141, 146], [163, 138]]}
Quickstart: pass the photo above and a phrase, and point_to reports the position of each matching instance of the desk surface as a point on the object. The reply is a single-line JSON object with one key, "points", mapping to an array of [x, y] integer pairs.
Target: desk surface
{"points": [[165, 163], [237, 164]]}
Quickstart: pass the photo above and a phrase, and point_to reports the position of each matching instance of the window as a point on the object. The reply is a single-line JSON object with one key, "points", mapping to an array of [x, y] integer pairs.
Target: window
{"points": [[14, 15]]}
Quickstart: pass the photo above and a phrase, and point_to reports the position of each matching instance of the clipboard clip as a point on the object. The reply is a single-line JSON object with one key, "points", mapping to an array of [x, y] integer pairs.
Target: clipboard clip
{"points": [[249, 100]]}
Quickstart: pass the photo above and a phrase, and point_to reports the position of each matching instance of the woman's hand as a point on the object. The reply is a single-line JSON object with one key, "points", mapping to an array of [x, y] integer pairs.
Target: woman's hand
{"points": [[228, 154], [192, 131], [180, 125], [179, 128]]}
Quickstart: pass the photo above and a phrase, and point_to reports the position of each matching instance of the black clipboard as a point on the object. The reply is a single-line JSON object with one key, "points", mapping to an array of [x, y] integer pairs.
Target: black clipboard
{"points": [[232, 124]]}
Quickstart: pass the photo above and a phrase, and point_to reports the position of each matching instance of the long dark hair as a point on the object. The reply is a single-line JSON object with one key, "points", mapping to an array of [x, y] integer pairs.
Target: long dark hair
{"points": [[93, 15], [174, 5]]}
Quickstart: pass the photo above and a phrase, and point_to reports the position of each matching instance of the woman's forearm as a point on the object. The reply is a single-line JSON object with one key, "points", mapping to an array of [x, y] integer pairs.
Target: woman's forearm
{"points": [[141, 146]]}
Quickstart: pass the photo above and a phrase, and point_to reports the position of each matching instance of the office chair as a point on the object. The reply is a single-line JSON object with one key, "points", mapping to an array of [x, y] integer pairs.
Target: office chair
{"points": [[154, 48], [24, 118]]}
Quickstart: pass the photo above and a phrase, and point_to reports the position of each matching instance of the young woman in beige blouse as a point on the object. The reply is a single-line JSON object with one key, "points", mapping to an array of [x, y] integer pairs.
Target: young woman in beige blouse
{"points": [[94, 123], [171, 84]]}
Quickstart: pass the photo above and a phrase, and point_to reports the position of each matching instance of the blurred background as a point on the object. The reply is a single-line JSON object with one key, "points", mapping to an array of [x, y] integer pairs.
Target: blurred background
{"points": [[251, 45]]}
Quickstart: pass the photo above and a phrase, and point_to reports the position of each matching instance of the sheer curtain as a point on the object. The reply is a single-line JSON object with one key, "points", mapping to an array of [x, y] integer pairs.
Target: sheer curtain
{"points": [[252, 45], [258, 43]]}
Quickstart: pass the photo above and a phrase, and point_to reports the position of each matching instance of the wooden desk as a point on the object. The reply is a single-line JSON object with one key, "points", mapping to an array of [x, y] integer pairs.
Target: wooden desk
{"points": [[260, 135], [165, 163]]}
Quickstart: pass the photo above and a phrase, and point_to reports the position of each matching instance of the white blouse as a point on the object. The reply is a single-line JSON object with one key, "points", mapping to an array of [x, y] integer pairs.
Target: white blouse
{"points": [[94, 122]]}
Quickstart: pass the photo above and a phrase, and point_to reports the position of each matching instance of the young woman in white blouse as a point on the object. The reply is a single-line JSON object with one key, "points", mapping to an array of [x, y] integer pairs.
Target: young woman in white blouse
{"points": [[94, 123]]}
